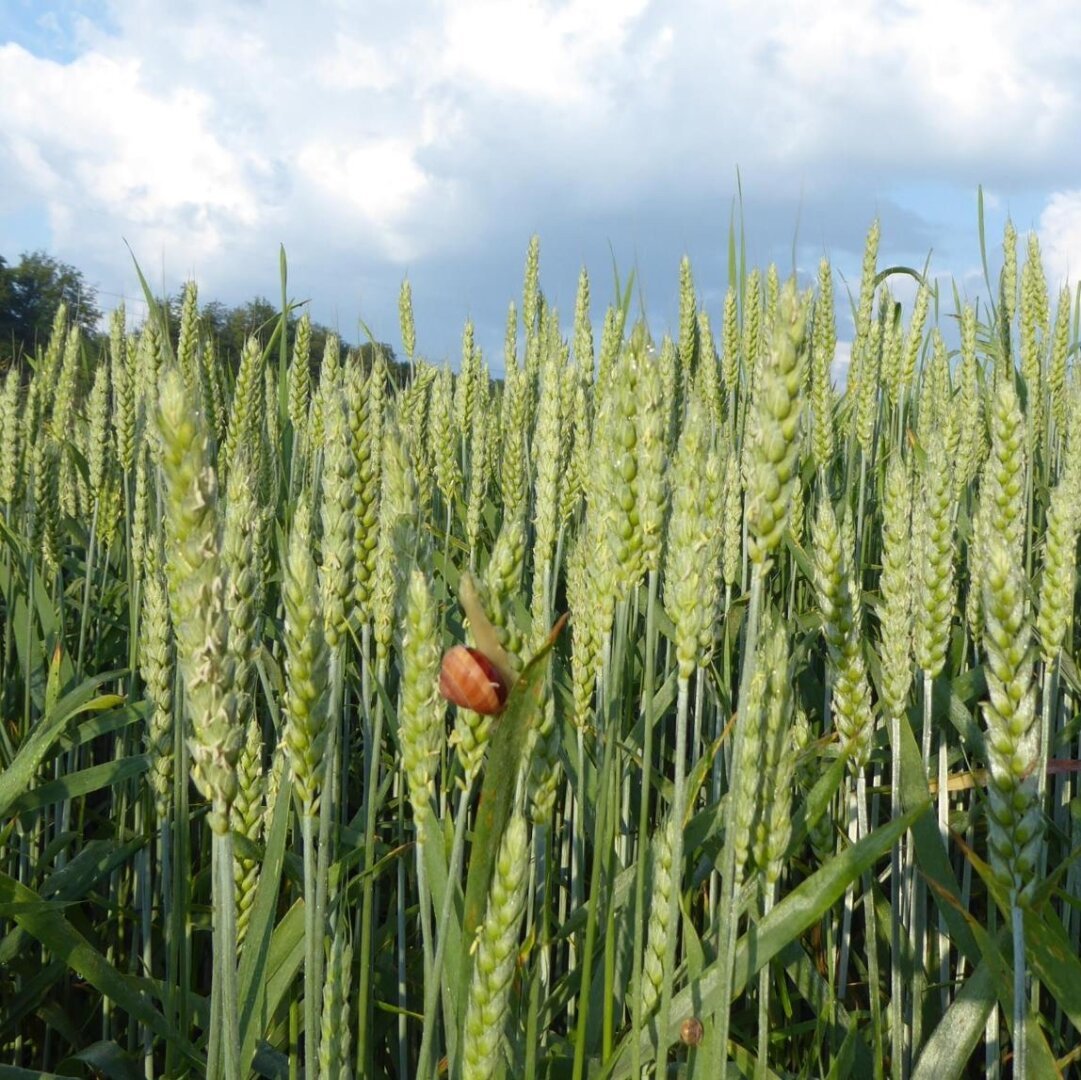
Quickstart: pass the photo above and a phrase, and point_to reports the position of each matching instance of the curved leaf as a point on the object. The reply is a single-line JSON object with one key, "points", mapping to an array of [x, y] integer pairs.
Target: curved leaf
{"points": [[807, 903], [53, 931], [18, 777]]}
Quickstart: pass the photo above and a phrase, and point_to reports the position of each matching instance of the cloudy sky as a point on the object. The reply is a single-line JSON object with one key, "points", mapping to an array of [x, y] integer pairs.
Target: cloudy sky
{"points": [[377, 145]]}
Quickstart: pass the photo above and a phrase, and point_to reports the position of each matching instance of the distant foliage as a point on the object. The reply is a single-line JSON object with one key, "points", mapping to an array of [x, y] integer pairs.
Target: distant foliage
{"points": [[30, 293], [32, 289], [230, 327]]}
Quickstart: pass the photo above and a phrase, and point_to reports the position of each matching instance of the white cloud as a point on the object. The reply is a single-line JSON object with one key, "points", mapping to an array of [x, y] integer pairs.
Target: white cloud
{"points": [[851, 84], [379, 180], [842, 359], [555, 53], [210, 131], [1060, 236], [87, 137], [355, 64], [961, 70], [605, 99]]}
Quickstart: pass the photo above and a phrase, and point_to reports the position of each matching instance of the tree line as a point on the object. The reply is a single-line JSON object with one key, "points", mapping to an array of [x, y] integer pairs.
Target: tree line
{"points": [[34, 287]]}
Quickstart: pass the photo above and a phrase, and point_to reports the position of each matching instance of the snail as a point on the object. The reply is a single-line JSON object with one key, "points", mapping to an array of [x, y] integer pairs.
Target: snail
{"points": [[477, 678], [691, 1031], [469, 679]]}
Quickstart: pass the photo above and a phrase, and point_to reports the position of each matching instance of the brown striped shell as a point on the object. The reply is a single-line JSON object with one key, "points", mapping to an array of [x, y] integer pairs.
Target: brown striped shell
{"points": [[469, 679]]}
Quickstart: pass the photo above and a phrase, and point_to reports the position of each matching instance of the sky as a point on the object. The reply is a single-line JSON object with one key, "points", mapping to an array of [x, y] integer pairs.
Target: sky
{"points": [[431, 139]]}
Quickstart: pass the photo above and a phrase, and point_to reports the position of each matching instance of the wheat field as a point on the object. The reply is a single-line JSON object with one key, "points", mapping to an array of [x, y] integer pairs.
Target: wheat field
{"points": [[790, 792]]}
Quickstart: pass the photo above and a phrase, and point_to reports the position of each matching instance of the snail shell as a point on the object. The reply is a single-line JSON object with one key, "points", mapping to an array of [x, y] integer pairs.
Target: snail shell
{"points": [[469, 679], [691, 1031]]}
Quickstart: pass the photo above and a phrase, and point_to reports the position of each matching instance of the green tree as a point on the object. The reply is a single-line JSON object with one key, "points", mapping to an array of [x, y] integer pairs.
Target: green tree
{"points": [[258, 316], [6, 344], [213, 317], [31, 291]]}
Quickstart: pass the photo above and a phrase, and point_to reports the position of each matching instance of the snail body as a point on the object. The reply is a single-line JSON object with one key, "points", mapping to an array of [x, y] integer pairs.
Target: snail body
{"points": [[470, 680]]}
